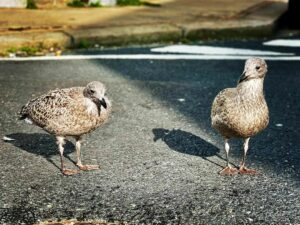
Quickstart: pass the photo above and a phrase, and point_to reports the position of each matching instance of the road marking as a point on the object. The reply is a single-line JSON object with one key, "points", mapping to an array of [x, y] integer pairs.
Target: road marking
{"points": [[210, 50], [149, 57], [283, 42]]}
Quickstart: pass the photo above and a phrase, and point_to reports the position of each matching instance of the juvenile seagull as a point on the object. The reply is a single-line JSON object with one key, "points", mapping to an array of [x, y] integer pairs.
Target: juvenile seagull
{"points": [[242, 112], [69, 112]]}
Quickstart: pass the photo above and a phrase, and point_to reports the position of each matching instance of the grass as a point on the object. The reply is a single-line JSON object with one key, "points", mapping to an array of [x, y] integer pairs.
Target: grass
{"points": [[128, 2], [150, 4], [84, 44], [25, 51], [81, 3], [29, 50], [136, 2], [31, 4], [12, 50], [76, 3], [95, 4]]}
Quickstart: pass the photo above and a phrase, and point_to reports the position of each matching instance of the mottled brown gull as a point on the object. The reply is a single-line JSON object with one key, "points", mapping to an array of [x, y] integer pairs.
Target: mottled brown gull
{"points": [[242, 112], [69, 112]]}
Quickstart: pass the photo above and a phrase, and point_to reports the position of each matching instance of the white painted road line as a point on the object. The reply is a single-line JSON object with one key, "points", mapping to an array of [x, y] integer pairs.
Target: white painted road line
{"points": [[210, 50], [283, 42], [150, 57]]}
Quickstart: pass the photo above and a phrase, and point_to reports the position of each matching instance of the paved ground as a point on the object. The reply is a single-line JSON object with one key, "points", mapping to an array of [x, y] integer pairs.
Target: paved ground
{"points": [[159, 157], [174, 20]]}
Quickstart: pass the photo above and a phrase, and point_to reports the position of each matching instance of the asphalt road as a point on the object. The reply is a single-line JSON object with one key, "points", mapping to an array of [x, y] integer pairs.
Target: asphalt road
{"points": [[158, 155]]}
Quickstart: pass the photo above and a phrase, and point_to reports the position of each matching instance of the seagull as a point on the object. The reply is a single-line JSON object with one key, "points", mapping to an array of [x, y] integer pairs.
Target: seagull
{"points": [[242, 112], [69, 112]]}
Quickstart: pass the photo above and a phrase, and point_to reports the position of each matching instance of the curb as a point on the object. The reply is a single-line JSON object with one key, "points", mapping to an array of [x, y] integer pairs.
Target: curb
{"points": [[36, 39], [257, 22], [254, 23], [125, 35]]}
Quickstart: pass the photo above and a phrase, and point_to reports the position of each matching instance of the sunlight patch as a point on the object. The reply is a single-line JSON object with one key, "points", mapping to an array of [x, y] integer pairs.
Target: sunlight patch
{"points": [[283, 42], [210, 50]]}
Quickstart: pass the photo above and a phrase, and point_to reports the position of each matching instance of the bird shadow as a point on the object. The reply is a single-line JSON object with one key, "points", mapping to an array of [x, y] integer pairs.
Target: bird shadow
{"points": [[41, 144], [187, 143]]}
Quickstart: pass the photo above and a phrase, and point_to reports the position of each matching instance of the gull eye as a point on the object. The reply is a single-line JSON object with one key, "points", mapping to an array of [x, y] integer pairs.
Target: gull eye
{"points": [[92, 91], [257, 67]]}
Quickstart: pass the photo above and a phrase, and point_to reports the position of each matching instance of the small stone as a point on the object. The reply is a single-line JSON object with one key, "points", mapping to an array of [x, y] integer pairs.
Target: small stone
{"points": [[5, 138], [58, 53], [39, 54], [12, 55], [50, 54]]}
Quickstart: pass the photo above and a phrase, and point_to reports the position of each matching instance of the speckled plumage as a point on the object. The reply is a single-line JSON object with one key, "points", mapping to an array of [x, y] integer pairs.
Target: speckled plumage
{"points": [[237, 115], [64, 113], [69, 112], [242, 112]]}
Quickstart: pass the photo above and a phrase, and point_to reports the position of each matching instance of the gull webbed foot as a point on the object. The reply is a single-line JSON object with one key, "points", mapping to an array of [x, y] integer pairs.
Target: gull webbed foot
{"points": [[229, 171], [69, 172], [244, 170], [88, 167]]}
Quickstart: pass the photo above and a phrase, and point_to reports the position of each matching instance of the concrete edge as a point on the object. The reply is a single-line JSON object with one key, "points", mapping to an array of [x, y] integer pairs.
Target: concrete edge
{"points": [[110, 36], [258, 24], [34, 39], [243, 29]]}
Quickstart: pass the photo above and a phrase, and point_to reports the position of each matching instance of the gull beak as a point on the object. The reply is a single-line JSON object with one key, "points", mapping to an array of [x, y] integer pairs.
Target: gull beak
{"points": [[242, 77], [99, 103], [103, 103]]}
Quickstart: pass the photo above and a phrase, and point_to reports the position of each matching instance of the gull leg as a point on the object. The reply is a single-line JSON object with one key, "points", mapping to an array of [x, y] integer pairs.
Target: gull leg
{"points": [[60, 142], [243, 169], [228, 170], [79, 163]]}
